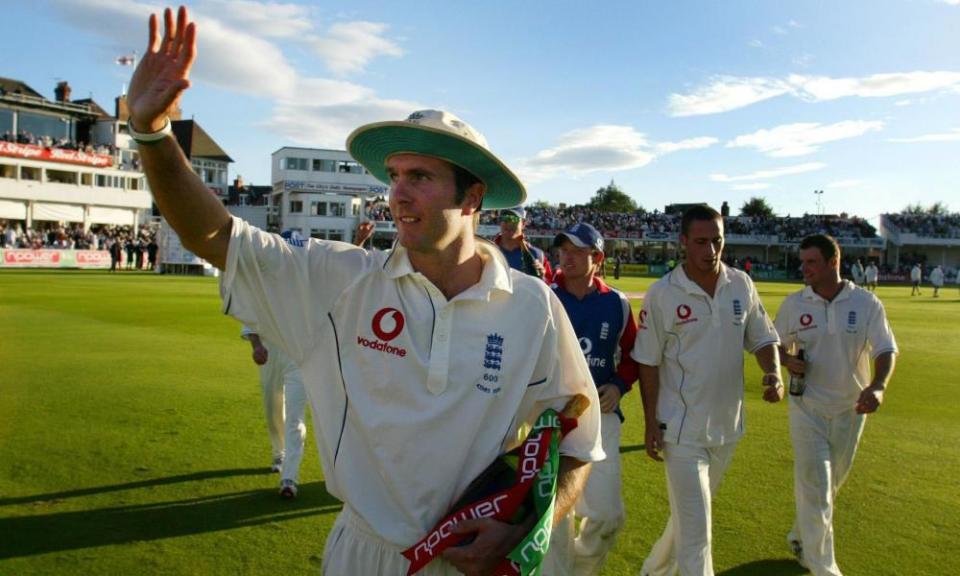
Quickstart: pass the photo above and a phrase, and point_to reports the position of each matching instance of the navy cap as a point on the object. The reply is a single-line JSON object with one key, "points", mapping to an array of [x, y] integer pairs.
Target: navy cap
{"points": [[582, 235]]}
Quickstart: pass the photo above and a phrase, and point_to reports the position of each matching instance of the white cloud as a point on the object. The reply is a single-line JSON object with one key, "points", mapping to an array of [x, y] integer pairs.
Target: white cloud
{"points": [[951, 2], [755, 44], [779, 30], [725, 93], [754, 186], [803, 60], [688, 144], [951, 136], [267, 19], [238, 52], [849, 183], [604, 147], [350, 46], [801, 138], [768, 174]]}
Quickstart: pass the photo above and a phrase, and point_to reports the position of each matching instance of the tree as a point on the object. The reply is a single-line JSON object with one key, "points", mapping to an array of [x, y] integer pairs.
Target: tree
{"points": [[757, 207], [611, 198], [542, 204]]}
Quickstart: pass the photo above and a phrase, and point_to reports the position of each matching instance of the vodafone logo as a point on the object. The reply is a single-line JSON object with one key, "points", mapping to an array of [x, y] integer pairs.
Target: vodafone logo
{"points": [[805, 320], [683, 311], [387, 324]]}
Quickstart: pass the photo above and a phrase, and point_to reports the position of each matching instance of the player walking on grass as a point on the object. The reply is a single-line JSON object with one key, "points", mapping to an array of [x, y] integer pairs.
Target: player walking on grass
{"points": [[284, 402], [839, 327], [695, 323], [604, 323], [422, 363]]}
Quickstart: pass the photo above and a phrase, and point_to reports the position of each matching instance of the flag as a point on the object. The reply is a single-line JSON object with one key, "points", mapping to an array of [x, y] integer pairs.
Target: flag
{"points": [[126, 60]]}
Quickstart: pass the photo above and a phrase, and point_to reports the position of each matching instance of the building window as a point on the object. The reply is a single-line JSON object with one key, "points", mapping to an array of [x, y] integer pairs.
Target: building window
{"points": [[337, 209], [29, 173], [321, 165], [348, 167], [296, 206], [8, 171], [356, 209], [61, 177], [318, 208], [323, 234], [296, 164]]}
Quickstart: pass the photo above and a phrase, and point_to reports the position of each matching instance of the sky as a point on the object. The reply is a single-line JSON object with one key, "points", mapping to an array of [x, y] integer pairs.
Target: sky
{"points": [[679, 101]]}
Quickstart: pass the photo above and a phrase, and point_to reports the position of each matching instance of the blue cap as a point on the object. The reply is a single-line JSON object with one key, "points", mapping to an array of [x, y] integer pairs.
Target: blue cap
{"points": [[519, 211], [582, 235], [293, 238]]}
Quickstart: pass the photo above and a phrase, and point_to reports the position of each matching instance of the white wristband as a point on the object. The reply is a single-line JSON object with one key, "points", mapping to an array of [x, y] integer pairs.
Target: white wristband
{"points": [[150, 137]]}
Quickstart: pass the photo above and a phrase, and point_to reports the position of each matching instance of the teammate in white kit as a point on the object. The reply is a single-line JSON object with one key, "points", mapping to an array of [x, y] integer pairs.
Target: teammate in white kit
{"points": [[695, 323], [872, 274], [936, 280], [916, 276], [284, 402], [840, 328], [422, 363]]}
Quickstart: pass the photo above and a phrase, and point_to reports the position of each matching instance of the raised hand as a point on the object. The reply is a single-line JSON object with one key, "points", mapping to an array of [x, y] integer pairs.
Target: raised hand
{"points": [[163, 72]]}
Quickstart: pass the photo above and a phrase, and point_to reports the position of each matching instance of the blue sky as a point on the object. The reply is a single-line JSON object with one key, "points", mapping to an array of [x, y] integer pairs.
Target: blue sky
{"points": [[675, 101]]}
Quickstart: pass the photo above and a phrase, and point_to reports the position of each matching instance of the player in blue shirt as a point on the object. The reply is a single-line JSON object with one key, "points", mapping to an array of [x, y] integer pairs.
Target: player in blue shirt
{"points": [[520, 254], [605, 326]]}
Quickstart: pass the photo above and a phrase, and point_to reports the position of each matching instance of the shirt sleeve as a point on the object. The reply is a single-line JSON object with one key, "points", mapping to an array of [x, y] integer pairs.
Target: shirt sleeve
{"points": [[879, 333], [760, 331], [648, 347], [284, 292], [561, 361], [627, 369], [782, 325]]}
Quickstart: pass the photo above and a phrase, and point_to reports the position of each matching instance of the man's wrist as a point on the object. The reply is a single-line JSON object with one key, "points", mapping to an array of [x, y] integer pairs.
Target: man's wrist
{"points": [[150, 137]]}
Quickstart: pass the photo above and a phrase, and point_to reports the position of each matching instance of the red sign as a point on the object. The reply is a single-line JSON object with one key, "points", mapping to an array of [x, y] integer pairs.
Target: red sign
{"points": [[92, 258], [683, 311], [806, 319], [31, 258], [31, 152]]}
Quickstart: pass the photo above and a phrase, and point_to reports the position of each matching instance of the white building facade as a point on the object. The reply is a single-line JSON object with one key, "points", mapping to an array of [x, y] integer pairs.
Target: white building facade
{"points": [[320, 193]]}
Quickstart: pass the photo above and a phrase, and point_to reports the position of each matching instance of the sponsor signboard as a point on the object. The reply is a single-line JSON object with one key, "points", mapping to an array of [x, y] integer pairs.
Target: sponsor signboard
{"points": [[31, 152], [48, 258]]}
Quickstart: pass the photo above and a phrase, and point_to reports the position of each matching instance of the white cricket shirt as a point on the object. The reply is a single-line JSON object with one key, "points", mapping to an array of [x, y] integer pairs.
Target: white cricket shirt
{"points": [[698, 342], [413, 395], [839, 339]]}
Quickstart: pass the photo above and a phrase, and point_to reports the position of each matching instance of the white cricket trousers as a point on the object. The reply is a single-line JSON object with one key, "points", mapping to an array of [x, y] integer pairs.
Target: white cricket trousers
{"points": [[693, 476], [284, 402], [824, 445], [600, 506], [353, 549]]}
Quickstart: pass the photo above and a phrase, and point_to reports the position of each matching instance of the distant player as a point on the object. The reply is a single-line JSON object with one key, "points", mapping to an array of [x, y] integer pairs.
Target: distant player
{"points": [[840, 328], [604, 323], [694, 326], [936, 279], [871, 275], [858, 273], [916, 276], [520, 254], [284, 402]]}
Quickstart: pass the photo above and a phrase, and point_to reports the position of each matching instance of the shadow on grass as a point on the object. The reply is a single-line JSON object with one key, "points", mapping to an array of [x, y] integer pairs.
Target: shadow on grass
{"points": [[779, 567], [206, 475], [623, 450], [45, 533]]}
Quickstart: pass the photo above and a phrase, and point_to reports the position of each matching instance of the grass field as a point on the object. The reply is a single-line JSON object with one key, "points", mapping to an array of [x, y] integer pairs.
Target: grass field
{"points": [[132, 441]]}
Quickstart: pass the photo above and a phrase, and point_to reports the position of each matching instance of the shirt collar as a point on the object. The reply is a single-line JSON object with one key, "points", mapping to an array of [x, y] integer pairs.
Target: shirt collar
{"points": [[495, 274], [561, 281], [843, 294], [678, 277]]}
